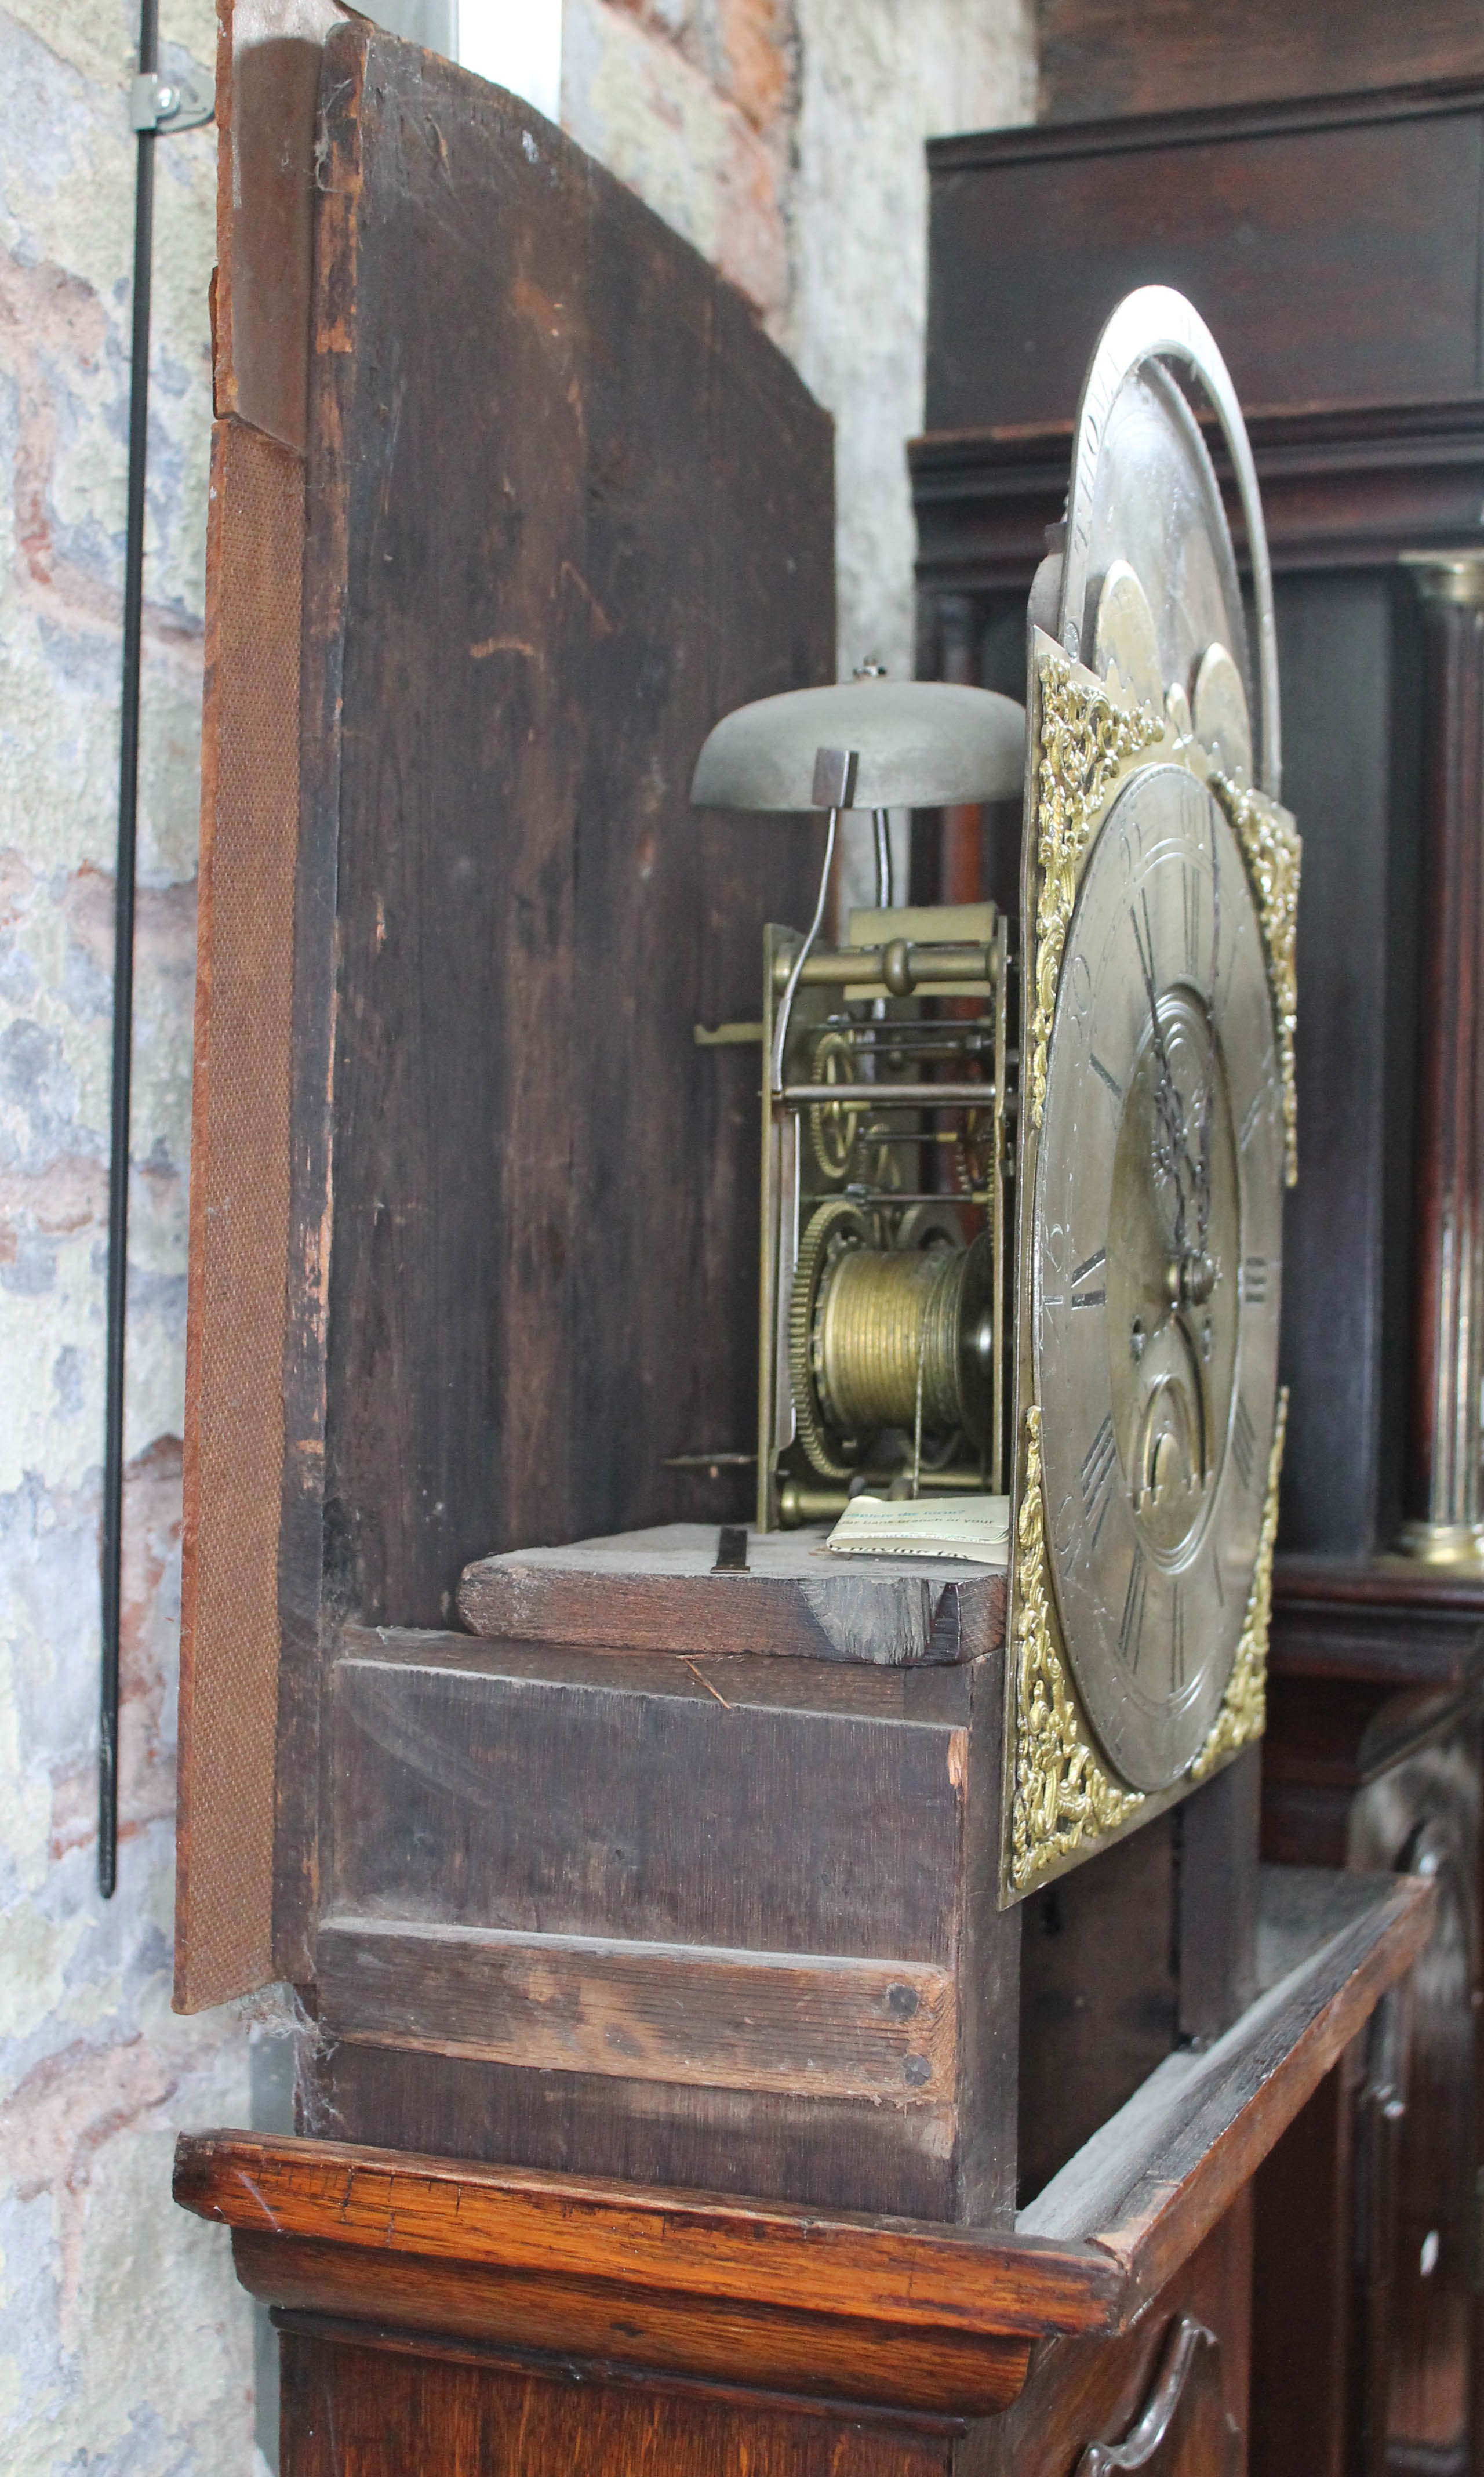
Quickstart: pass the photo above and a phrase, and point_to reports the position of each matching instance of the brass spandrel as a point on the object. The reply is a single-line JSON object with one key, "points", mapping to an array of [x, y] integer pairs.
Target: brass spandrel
{"points": [[1087, 740], [1273, 850]]}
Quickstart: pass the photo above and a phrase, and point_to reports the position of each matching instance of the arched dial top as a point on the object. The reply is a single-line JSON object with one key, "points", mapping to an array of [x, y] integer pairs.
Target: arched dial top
{"points": [[1143, 491], [1155, 1242]]}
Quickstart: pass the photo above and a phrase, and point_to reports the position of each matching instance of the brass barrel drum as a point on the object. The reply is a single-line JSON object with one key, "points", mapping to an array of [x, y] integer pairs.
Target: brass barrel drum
{"points": [[890, 1332]]}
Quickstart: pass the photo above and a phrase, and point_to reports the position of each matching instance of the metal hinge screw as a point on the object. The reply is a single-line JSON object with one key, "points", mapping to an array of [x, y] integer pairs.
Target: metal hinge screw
{"points": [[163, 106]]}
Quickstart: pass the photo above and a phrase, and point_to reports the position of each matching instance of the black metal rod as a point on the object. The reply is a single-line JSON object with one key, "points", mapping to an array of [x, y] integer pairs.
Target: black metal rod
{"points": [[113, 1532]]}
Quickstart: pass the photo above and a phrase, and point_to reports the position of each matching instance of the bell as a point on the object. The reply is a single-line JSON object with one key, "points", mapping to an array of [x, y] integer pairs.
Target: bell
{"points": [[867, 743], [915, 744]]}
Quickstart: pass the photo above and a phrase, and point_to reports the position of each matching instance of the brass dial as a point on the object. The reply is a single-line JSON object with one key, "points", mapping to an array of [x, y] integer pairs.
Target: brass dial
{"points": [[1156, 1237]]}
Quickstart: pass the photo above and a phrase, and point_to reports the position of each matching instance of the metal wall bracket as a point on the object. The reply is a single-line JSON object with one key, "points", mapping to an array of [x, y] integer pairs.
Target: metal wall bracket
{"points": [[164, 105]]}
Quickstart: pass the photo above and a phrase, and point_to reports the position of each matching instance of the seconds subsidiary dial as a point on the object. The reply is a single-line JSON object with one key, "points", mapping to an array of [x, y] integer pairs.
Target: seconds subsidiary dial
{"points": [[1156, 1239]]}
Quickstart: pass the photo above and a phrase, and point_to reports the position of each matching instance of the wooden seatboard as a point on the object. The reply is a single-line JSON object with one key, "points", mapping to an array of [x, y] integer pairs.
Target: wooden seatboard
{"points": [[1144, 2196], [660, 1590]]}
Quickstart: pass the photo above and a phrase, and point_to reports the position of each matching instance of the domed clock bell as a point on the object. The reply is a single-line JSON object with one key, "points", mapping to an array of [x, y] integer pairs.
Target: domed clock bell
{"points": [[1022, 1182]]}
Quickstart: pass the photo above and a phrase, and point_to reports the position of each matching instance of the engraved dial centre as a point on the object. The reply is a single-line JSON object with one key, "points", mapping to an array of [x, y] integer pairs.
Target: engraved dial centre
{"points": [[1173, 1246]]}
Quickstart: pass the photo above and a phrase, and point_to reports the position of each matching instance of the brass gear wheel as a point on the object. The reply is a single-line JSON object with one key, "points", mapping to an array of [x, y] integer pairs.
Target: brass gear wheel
{"points": [[839, 1131], [838, 1223], [833, 1125]]}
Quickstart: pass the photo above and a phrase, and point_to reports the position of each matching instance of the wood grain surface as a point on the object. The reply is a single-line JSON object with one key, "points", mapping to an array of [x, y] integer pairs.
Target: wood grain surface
{"points": [[583, 1794], [267, 70], [858, 2156], [463, 2404], [643, 1915], [372, 2401], [540, 565], [1343, 487], [1303, 2272], [657, 1591], [1099, 1978], [1153, 2180], [1086, 2391], [1105, 2238], [674, 2242], [812, 2025], [1098, 57], [1334, 245], [750, 2342]]}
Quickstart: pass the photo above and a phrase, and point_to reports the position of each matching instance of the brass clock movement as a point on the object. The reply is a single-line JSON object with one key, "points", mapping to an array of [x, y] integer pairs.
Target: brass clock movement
{"points": [[1023, 1181]]}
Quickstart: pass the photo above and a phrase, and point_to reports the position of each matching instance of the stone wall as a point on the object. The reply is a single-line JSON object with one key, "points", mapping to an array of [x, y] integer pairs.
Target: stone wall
{"points": [[123, 2344], [783, 137]]}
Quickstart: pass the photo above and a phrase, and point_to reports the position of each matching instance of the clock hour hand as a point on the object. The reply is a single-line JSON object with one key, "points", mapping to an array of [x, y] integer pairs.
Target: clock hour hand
{"points": [[1202, 1165], [1170, 1145], [1192, 1273]]}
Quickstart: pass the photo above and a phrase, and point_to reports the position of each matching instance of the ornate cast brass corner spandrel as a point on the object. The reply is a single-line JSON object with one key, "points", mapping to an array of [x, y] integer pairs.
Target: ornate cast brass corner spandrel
{"points": [[1085, 739], [1273, 850], [1062, 1796], [1244, 1711]]}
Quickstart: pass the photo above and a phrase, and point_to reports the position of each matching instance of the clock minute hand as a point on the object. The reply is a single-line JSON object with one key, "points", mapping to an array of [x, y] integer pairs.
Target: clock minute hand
{"points": [[1202, 1167], [1169, 1153]]}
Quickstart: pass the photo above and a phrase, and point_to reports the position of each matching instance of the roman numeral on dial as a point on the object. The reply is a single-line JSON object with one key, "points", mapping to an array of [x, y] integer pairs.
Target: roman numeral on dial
{"points": [[1190, 906], [1098, 1464], [1244, 1443], [1255, 1281], [1176, 1640], [1130, 1631], [1089, 1299]]}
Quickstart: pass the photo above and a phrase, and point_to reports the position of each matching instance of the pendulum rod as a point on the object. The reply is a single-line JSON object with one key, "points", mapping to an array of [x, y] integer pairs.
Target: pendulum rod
{"points": [[123, 979]]}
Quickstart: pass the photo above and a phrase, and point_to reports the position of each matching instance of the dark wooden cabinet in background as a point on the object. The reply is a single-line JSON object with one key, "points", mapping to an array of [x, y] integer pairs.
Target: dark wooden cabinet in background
{"points": [[1373, 1760], [1334, 247]]}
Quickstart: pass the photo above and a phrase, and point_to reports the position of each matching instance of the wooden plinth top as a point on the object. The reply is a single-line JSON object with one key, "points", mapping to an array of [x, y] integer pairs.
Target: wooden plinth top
{"points": [[781, 2296]]}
